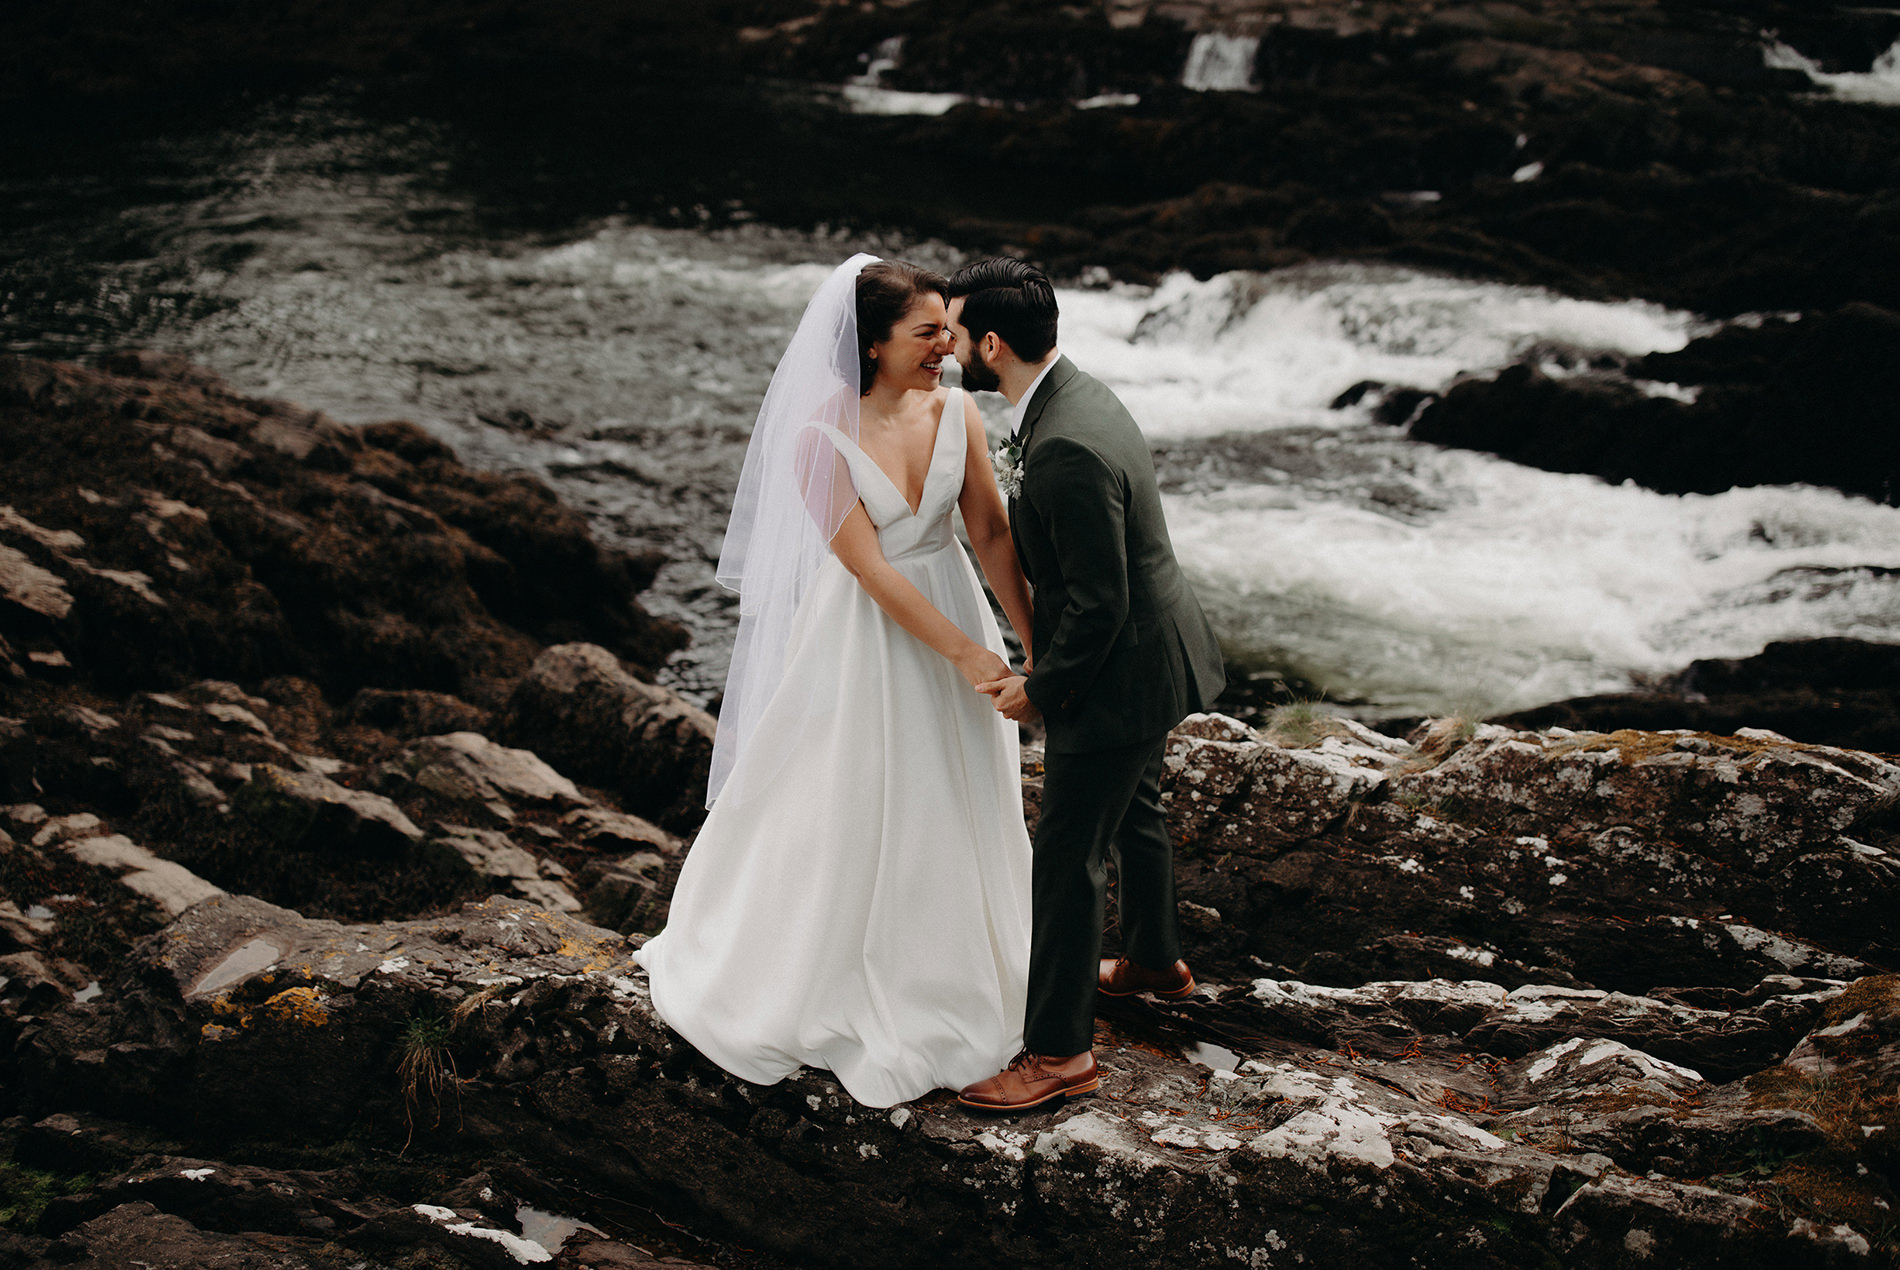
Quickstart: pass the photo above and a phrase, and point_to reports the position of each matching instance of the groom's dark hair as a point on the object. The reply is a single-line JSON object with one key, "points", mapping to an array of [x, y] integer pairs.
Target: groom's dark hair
{"points": [[1011, 297]]}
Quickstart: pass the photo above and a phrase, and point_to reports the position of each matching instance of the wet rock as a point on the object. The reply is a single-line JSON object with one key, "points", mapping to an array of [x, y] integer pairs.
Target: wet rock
{"points": [[629, 893], [412, 713], [495, 855], [1838, 692], [170, 886], [20, 929], [1645, 1115], [1746, 380], [1629, 861], [303, 807], [1224, 785], [579, 708], [603, 829], [243, 539], [137, 1233], [1382, 1019], [557, 1056], [468, 767], [35, 982], [210, 1194], [38, 591]]}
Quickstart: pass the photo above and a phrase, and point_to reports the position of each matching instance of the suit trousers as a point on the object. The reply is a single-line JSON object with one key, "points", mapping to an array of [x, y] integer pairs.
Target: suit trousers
{"points": [[1095, 806]]}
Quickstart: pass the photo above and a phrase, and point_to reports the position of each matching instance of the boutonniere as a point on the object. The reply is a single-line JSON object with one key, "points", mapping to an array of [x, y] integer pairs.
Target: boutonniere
{"points": [[1007, 460]]}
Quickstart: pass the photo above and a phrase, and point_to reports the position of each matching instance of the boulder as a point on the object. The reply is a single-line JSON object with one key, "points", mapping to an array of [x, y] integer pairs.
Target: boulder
{"points": [[1224, 785], [170, 886], [1723, 426], [579, 708], [1847, 1071], [38, 591], [1835, 692], [1629, 862], [602, 829], [629, 893], [468, 767], [305, 808], [495, 855]]}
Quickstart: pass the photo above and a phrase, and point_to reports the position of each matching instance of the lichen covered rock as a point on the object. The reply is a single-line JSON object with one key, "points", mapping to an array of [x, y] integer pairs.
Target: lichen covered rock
{"points": [[292, 1026]]}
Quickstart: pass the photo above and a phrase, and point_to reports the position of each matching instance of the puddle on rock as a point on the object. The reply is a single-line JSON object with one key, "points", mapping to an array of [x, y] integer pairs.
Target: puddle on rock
{"points": [[245, 960]]}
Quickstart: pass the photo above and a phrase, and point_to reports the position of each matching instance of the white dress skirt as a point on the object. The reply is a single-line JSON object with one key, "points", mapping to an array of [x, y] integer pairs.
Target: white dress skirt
{"points": [[858, 898]]}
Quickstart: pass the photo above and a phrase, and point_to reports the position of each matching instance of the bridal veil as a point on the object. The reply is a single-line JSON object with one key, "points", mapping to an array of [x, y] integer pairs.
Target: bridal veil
{"points": [[794, 492]]}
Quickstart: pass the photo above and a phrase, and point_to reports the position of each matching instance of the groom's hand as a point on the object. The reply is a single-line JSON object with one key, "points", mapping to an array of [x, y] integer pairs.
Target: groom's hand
{"points": [[1011, 701]]}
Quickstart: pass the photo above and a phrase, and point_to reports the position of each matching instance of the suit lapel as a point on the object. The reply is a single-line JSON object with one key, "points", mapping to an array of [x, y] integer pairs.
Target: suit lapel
{"points": [[1052, 383]]}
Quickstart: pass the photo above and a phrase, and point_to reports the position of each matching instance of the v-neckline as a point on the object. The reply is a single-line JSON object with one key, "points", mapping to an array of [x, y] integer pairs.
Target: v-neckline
{"points": [[930, 469]]}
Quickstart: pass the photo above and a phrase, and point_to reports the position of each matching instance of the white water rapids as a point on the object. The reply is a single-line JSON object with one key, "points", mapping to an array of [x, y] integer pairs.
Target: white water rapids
{"points": [[623, 363]]}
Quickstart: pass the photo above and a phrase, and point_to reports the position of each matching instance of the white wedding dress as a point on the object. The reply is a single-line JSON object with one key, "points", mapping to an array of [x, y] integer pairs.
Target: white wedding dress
{"points": [[858, 898]]}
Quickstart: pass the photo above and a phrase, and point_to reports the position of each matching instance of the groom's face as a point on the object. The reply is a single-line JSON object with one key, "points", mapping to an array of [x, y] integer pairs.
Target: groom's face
{"points": [[978, 375]]}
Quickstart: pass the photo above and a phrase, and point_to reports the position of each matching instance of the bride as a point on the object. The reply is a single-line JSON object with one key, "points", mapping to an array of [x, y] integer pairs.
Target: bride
{"points": [[858, 898]]}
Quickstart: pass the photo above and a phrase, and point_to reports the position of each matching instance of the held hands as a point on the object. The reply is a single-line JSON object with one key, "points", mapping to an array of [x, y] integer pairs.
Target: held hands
{"points": [[1011, 701], [980, 666]]}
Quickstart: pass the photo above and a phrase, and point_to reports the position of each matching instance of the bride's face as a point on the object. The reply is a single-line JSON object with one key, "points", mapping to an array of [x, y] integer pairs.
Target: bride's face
{"points": [[912, 355]]}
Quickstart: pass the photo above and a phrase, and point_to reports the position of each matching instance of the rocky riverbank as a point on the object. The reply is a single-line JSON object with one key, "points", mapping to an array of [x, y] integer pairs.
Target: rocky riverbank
{"points": [[1436, 1079], [336, 798]]}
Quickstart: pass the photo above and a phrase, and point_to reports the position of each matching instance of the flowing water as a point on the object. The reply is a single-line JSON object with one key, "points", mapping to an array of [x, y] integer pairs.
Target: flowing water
{"points": [[1879, 85], [313, 254]]}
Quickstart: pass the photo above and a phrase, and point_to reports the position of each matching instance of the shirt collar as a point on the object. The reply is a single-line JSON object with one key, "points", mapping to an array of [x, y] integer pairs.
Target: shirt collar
{"points": [[1016, 412]]}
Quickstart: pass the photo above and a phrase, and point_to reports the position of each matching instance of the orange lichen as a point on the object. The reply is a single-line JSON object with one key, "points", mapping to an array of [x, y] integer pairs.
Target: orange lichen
{"points": [[303, 1006]]}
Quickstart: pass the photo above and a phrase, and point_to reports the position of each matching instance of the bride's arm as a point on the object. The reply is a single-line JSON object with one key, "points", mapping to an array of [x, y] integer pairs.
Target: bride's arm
{"points": [[855, 545], [988, 525]]}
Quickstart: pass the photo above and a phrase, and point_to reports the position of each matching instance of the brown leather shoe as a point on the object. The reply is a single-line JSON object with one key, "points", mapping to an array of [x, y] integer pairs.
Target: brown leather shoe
{"points": [[1120, 977], [1031, 1080]]}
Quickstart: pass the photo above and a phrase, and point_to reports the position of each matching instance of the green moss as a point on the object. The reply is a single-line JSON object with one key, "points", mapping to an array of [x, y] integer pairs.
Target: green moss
{"points": [[25, 1193], [269, 811]]}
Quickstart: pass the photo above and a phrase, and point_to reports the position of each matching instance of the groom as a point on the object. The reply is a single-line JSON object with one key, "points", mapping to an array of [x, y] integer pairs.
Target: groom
{"points": [[1121, 654]]}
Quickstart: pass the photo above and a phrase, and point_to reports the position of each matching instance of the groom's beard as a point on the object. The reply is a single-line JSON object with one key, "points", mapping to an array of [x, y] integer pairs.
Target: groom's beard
{"points": [[977, 374]]}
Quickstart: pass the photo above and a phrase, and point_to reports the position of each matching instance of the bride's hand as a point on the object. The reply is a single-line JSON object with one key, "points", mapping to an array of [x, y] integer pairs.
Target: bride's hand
{"points": [[981, 666]]}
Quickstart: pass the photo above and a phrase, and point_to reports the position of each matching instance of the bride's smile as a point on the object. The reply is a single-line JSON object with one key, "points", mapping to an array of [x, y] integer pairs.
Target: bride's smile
{"points": [[912, 356]]}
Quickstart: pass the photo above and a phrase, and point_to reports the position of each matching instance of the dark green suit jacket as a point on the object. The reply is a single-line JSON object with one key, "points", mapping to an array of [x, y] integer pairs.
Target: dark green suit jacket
{"points": [[1122, 649]]}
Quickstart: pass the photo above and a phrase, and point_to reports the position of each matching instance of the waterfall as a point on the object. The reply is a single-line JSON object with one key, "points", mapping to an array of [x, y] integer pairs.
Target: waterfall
{"points": [[866, 94], [1878, 86], [879, 63], [1221, 63]]}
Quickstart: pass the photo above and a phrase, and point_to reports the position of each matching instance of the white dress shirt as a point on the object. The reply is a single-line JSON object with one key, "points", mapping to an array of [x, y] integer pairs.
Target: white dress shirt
{"points": [[1016, 411]]}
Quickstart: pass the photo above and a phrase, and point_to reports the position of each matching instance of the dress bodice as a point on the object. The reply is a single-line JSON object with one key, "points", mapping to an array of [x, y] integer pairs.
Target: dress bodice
{"points": [[902, 533]]}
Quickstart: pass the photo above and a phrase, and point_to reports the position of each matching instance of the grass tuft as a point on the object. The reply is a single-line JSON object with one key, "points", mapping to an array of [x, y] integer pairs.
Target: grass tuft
{"points": [[426, 1071]]}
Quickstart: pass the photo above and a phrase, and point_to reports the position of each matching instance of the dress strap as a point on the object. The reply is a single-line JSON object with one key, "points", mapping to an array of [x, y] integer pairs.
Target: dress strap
{"points": [[880, 497], [952, 410], [853, 454]]}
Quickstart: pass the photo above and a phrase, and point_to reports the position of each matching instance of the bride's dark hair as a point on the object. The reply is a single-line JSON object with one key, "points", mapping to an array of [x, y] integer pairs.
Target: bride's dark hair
{"points": [[886, 290]]}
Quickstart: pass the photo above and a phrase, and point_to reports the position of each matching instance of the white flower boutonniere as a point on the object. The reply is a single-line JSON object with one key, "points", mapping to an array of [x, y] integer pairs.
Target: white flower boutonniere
{"points": [[1007, 460]]}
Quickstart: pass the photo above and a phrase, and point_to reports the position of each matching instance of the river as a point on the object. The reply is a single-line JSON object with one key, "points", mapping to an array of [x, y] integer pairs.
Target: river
{"points": [[309, 250]]}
